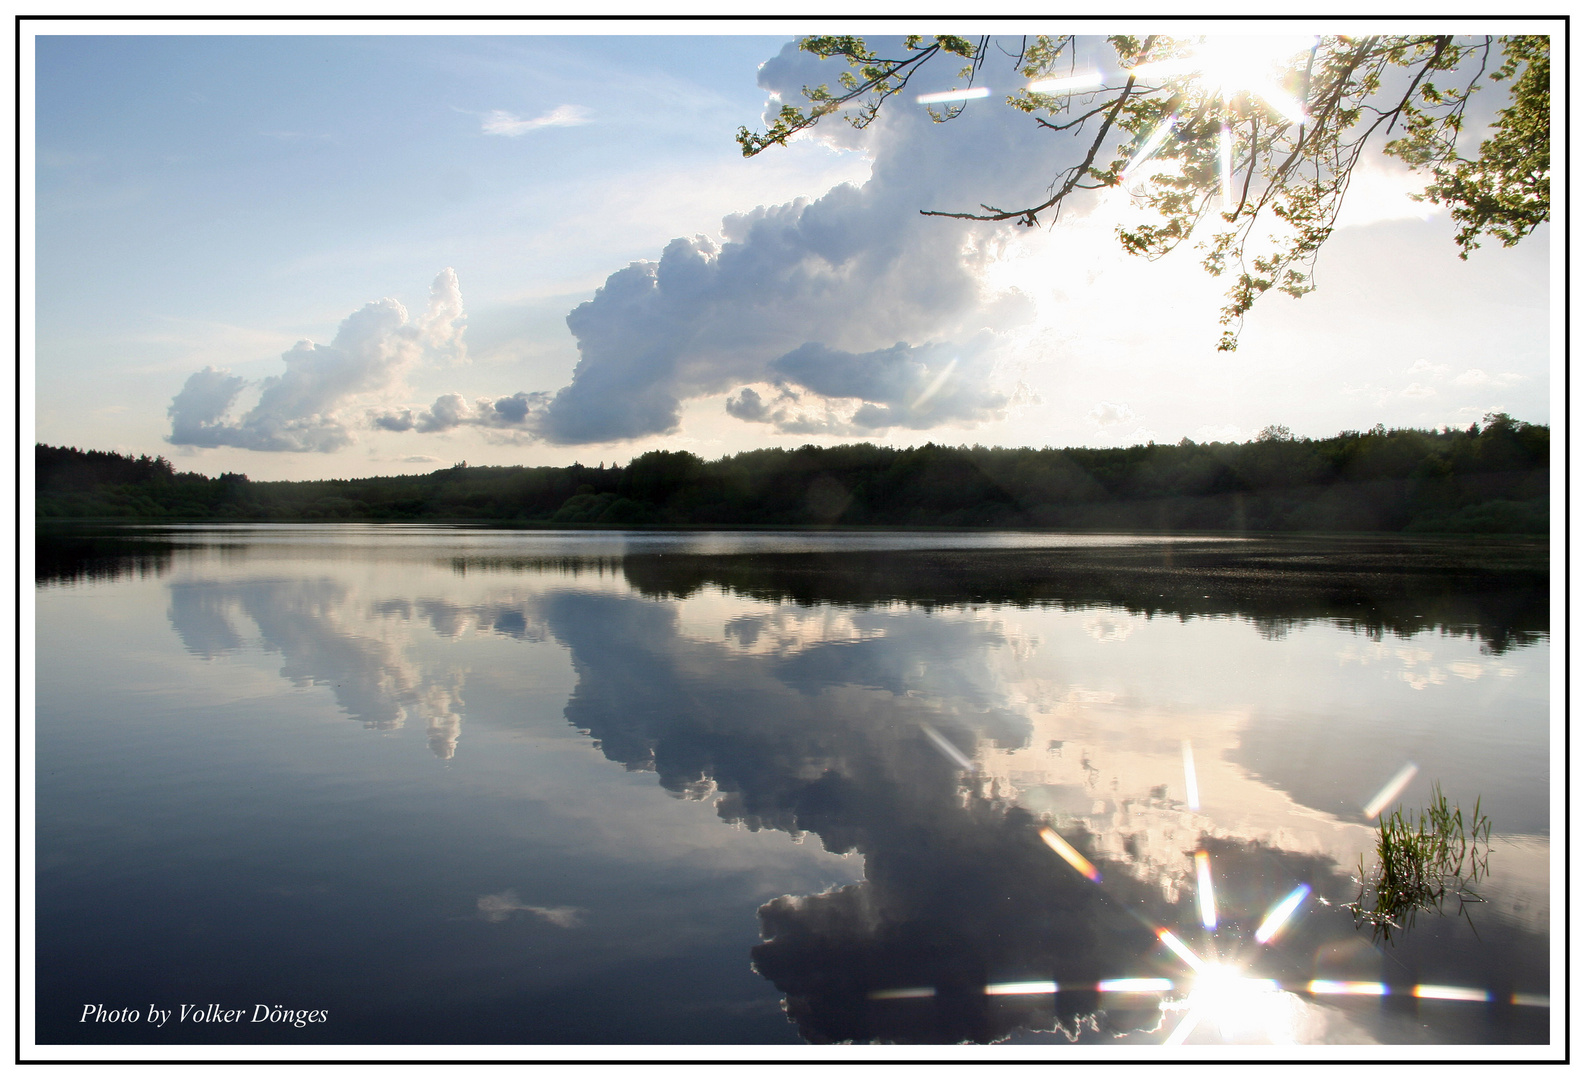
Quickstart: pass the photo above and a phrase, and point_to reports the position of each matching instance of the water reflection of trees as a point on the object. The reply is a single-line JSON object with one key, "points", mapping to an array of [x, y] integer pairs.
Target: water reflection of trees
{"points": [[65, 557], [1494, 591]]}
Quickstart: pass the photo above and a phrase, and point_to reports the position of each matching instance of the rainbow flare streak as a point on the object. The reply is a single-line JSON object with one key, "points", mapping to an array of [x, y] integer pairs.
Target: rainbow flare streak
{"points": [[1037, 987], [1207, 896], [1069, 854], [1279, 915], [1327, 986], [954, 95], [1170, 940], [1450, 993], [1391, 790], [1134, 986], [1071, 82]]}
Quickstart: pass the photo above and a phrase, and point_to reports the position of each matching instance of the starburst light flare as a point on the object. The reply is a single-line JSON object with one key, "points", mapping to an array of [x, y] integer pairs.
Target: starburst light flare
{"points": [[1238, 64], [1184, 953]]}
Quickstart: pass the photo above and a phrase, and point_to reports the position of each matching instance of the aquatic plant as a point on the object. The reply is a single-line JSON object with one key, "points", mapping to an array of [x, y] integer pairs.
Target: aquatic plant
{"points": [[1421, 865]]}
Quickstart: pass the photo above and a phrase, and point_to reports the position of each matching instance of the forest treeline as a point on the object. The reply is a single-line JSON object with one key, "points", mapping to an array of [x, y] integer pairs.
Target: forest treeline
{"points": [[1488, 478]]}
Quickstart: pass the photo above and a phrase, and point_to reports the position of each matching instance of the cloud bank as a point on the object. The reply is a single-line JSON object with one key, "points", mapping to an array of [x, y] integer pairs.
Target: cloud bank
{"points": [[848, 314], [851, 314], [315, 404]]}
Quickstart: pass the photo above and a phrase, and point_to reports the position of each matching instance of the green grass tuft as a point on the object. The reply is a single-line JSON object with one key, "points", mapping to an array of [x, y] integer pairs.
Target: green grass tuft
{"points": [[1421, 865]]}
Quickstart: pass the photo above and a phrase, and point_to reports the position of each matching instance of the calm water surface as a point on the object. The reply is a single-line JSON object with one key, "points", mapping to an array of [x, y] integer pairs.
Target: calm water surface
{"points": [[469, 786]]}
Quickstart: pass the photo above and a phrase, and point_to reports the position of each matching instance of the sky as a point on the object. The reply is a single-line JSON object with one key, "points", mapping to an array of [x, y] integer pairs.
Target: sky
{"points": [[303, 255]]}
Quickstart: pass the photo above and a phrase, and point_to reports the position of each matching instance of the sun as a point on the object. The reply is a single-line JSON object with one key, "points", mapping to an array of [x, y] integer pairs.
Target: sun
{"points": [[1234, 65], [1243, 1009]]}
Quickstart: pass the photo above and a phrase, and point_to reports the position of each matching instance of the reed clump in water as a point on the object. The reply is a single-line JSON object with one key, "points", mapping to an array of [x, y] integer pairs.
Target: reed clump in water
{"points": [[1422, 864]]}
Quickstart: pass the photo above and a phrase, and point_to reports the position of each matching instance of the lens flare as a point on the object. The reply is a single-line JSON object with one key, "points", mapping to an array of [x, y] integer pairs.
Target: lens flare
{"points": [[954, 95], [1291, 110], [1234, 64], [1327, 986], [1069, 82], [1152, 144], [1191, 784], [1184, 1029], [1207, 897], [1226, 153], [935, 384], [1134, 986], [953, 754], [1279, 915], [1037, 987], [1541, 1001], [1069, 854], [1392, 790], [1170, 940], [1450, 993], [904, 992]]}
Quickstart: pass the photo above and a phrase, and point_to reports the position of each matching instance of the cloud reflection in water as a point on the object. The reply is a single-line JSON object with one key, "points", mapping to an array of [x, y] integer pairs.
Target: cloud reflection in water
{"points": [[832, 717]]}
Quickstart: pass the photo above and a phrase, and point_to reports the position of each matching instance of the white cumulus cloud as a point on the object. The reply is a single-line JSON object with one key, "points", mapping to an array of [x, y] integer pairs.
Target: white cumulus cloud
{"points": [[312, 405], [846, 309], [1107, 413]]}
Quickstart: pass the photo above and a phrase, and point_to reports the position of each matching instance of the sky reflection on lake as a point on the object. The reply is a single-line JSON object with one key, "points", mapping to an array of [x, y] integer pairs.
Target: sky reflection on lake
{"points": [[416, 777]]}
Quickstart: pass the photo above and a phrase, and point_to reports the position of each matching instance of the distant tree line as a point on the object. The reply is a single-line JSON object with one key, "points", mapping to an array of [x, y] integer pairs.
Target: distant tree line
{"points": [[1488, 478]]}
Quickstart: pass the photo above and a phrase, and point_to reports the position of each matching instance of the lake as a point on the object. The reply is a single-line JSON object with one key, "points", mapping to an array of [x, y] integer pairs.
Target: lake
{"points": [[426, 785]]}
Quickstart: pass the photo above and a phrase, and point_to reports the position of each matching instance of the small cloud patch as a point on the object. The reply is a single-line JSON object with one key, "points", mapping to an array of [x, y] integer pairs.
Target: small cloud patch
{"points": [[501, 122], [498, 907]]}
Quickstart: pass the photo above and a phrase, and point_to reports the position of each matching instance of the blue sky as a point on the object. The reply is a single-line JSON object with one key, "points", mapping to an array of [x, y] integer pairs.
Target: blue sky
{"points": [[435, 214]]}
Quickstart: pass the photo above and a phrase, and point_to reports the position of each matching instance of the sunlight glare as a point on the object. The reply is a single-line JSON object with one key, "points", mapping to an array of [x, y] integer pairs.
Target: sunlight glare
{"points": [[1232, 64], [1245, 1009]]}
